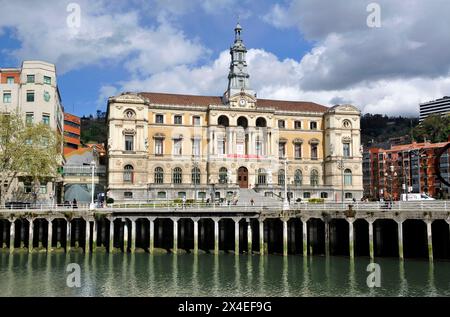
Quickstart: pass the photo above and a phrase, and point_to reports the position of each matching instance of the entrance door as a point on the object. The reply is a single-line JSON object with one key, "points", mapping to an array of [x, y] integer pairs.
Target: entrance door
{"points": [[243, 177]]}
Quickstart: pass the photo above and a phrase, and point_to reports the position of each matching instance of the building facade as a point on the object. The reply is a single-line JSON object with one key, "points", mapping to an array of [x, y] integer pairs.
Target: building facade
{"points": [[168, 146], [439, 106], [411, 168], [72, 132], [32, 90]]}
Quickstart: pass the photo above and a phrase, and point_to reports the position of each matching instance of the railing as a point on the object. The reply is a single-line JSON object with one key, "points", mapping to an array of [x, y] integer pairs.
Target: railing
{"points": [[43, 207]]}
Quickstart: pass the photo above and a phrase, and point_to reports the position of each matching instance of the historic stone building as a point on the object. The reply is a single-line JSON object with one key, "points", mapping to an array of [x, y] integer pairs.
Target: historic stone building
{"points": [[166, 146]]}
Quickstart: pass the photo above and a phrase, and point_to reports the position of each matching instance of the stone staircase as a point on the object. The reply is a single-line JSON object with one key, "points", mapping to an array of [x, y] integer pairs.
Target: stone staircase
{"points": [[246, 195]]}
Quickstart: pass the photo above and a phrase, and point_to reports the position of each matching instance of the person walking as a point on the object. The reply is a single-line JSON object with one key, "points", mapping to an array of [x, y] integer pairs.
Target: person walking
{"points": [[252, 202], [74, 203]]}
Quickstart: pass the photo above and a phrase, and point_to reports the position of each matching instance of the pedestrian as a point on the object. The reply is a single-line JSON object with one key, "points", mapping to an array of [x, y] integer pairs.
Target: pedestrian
{"points": [[252, 202], [74, 203]]}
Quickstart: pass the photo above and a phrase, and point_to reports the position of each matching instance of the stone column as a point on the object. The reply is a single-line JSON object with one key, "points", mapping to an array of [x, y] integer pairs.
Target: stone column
{"points": [[195, 236], [430, 239], [111, 235], [12, 232], [94, 235], [151, 246], [30, 236], [175, 235], [133, 235], [236, 236], [88, 236], [261, 236], [371, 250], [327, 237], [285, 237], [305, 236], [125, 236], [351, 238], [216, 236], [249, 237], [68, 235], [49, 235], [400, 239]]}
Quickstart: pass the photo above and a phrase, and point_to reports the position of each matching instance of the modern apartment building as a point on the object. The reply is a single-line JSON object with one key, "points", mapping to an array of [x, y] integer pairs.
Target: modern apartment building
{"points": [[439, 106], [72, 132], [32, 89]]}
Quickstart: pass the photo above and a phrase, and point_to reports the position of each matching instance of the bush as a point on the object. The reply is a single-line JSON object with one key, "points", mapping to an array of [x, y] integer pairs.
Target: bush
{"points": [[110, 200], [178, 201], [316, 200]]}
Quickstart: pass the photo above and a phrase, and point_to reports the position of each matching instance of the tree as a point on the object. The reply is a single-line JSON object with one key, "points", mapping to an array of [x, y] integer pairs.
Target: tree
{"points": [[435, 128], [26, 150]]}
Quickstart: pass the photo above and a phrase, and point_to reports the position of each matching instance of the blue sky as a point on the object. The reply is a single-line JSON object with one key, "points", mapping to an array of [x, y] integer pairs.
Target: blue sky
{"points": [[321, 51]]}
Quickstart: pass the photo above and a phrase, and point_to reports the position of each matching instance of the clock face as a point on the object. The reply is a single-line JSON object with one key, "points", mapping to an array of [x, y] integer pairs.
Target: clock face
{"points": [[242, 102]]}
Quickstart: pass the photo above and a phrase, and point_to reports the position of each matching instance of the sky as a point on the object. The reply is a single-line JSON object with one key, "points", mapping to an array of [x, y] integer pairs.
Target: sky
{"points": [[384, 59]]}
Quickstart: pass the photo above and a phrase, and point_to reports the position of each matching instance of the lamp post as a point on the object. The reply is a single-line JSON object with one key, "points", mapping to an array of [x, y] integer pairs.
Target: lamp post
{"points": [[391, 176], [195, 164], [286, 201], [92, 206], [341, 167]]}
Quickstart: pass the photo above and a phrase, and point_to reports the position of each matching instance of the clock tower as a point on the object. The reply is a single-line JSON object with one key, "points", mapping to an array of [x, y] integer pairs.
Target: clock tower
{"points": [[238, 77]]}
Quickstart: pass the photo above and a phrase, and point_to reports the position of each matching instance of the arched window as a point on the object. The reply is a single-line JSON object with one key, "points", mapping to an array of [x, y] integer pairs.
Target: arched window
{"points": [[281, 177], [223, 175], [129, 114], [262, 176], [159, 175], [223, 121], [242, 122], [261, 123], [348, 177], [196, 175], [314, 178], [128, 174], [177, 176], [298, 178]]}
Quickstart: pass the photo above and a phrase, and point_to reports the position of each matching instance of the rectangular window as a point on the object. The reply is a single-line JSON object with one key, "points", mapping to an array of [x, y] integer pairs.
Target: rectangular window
{"points": [[159, 119], [196, 147], [159, 147], [298, 151], [161, 195], [221, 146], [297, 125], [313, 125], [346, 150], [129, 143], [47, 80], [29, 118], [314, 152], [46, 119], [43, 189], [178, 120], [28, 188], [177, 147], [30, 79], [7, 97], [10, 80], [128, 195], [30, 96], [282, 149], [259, 150], [196, 120], [307, 195], [281, 124]]}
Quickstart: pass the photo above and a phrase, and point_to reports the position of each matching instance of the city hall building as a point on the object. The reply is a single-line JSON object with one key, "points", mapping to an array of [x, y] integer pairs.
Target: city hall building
{"points": [[168, 146]]}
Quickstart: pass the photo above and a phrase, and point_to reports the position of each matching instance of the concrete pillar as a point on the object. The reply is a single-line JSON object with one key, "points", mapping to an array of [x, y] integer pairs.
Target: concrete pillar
{"points": [[216, 236], [327, 237], [125, 236], [249, 237], [133, 235], [175, 235], [430, 240], [371, 251], [305, 237], [12, 233], [49, 235], [152, 236], [111, 235], [94, 235], [400, 239], [30, 236], [236, 236], [68, 235], [261, 236], [88, 236], [351, 238], [285, 237], [195, 236]]}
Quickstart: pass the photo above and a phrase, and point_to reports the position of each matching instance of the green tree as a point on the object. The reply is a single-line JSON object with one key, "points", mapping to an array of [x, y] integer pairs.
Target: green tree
{"points": [[26, 150], [435, 128]]}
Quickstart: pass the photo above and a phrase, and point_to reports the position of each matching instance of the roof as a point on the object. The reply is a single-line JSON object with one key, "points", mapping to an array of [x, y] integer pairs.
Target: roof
{"points": [[192, 100]]}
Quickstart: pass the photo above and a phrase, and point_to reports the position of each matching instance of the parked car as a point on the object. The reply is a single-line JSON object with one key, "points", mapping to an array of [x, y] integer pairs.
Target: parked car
{"points": [[415, 197]]}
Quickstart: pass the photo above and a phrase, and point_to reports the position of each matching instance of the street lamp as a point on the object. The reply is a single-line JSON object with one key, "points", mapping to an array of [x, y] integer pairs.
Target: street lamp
{"points": [[341, 167], [286, 201], [195, 164], [92, 206]]}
